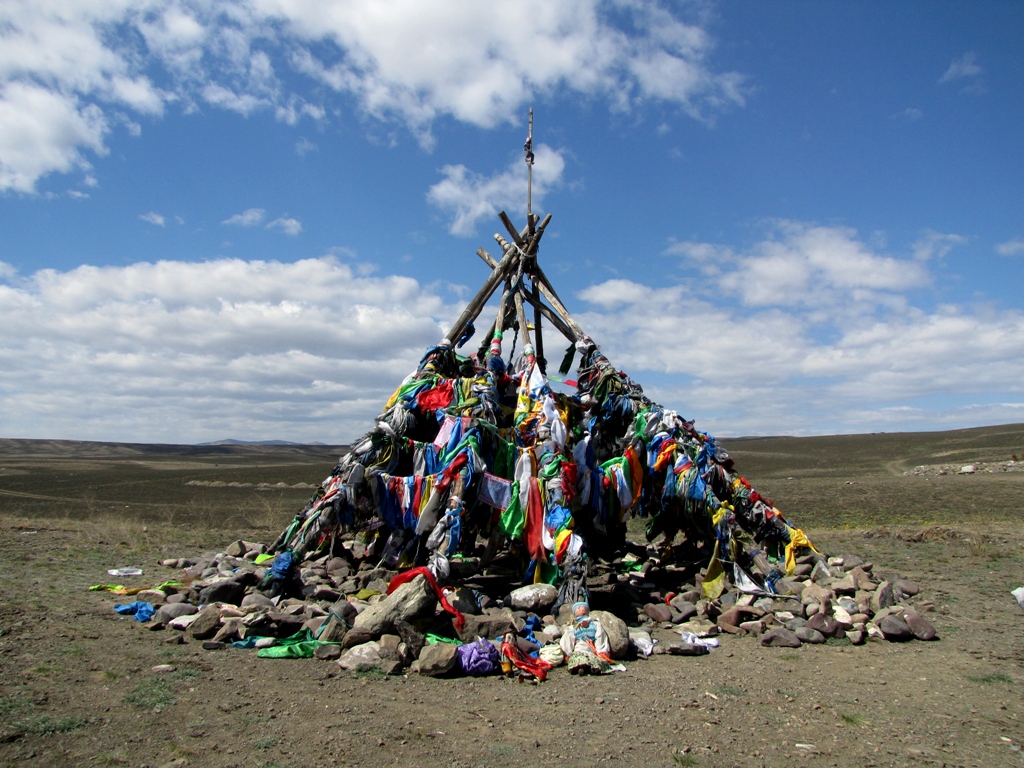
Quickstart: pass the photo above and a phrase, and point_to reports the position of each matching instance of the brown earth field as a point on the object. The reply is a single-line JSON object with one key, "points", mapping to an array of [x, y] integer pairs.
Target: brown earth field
{"points": [[77, 686]]}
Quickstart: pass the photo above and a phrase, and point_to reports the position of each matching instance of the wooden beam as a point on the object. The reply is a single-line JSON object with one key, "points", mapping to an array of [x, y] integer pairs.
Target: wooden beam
{"points": [[488, 259], [537, 327], [557, 305], [512, 229], [521, 314], [554, 319], [474, 307]]}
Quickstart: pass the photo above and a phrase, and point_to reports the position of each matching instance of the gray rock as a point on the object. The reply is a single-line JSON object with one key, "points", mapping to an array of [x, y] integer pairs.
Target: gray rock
{"points": [[326, 593], [172, 611], [700, 627], [333, 630], [228, 591], [795, 623], [361, 657], [686, 608], [155, 597], [658, 611], [214, 645], [236, 548], [618, 633], [357, 636], [857, 636], [688, 649], [285, 624], [780, 637], [229, 631], [827, 625], [754, 627], [206, 624], [327, 652], [808, 635], [345, 610], [436, 660], [390, 646], [391, 666], [412, 641], [883, 597], [487, 626], [905, 588], [895, 628], [536, 597], [413, 600], [257, 600], [922, 629]]}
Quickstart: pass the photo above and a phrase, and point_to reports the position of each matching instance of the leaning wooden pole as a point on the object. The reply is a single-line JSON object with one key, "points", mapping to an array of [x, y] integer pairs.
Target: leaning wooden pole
{"points": [[472, 310]]}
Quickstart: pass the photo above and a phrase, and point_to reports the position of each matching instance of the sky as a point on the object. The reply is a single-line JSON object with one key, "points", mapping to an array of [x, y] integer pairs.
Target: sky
{"points": [[248, 219]]}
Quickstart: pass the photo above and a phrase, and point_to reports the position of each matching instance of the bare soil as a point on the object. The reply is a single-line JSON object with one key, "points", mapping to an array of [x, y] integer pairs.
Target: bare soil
{"points": [[77, 686]]}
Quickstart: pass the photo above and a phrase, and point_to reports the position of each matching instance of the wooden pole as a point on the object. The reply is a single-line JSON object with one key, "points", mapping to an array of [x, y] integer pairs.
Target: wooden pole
{"points": [[554, 319], [474, 307], [521, 314], [537, 326]]}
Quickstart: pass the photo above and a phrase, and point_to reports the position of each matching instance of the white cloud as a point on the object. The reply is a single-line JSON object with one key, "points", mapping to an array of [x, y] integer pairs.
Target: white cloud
{"points": [[153, 218], [936, 245], [911, 114], [287, 225], [250, 217], [42, 132], [807, 266], [71, 70], [304, 146], [964, 67], [809, 331], [470, 197], [196, 351], [1013, 247]]}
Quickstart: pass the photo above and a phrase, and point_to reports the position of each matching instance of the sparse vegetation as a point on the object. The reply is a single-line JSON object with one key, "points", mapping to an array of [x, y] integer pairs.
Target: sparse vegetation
{"points": [[149, 694]]}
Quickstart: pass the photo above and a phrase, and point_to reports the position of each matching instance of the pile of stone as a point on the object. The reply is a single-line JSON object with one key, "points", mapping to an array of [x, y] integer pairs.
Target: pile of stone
{"points": [[977, 467], [644, 606]]}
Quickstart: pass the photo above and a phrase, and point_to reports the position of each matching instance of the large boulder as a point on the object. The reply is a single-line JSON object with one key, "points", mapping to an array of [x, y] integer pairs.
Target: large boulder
{"points": [[617, 631], [206, 623], [413, 600], [537, 598], [333, 630], [361, 657], [488, 626], [172, 611], [436, 660], [228, 591]]}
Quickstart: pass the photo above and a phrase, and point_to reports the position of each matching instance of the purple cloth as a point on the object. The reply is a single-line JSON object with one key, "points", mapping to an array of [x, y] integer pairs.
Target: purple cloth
{"points": [[478, 658]]}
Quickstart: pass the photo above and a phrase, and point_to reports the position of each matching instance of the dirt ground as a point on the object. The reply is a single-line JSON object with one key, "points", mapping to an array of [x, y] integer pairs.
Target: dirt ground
{"points": [[77, 685]]}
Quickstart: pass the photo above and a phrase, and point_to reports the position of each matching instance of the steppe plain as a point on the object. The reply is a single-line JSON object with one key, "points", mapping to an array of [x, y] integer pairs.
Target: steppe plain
{"points": [[76, 686]]}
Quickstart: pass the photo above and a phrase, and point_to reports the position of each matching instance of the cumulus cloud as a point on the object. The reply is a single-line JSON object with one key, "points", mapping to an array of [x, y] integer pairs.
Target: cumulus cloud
{"points": [[287, 225], [69, 71], [250, 217], [807, 266], [1013, 247], [469, 196], [153, 218], [196, 351], [808, 330]]}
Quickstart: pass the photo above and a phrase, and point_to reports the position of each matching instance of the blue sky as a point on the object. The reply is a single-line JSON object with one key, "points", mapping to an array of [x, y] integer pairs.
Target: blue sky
{"points": [[248, 218]]}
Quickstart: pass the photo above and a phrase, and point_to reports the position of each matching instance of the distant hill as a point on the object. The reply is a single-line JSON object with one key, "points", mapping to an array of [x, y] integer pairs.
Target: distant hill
{"points": [[257, 442]]}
